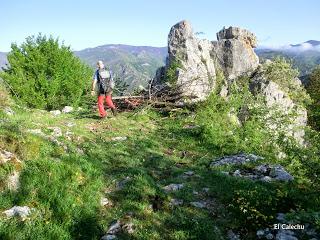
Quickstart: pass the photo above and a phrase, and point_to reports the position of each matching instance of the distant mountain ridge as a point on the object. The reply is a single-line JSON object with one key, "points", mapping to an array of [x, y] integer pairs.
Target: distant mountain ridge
{"points": [[136, 65], [304, 56], [311, 42]]}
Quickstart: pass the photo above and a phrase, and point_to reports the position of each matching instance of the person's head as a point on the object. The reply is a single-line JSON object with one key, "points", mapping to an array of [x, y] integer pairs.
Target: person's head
{"points": [[100, 64]]}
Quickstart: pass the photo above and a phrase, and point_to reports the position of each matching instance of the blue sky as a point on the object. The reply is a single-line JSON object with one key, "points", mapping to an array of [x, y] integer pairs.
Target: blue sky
{"points": [[83, 24]]}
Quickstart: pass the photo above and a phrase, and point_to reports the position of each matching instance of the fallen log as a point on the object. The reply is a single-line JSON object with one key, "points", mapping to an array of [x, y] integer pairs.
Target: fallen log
{"points": [[126, 97]]}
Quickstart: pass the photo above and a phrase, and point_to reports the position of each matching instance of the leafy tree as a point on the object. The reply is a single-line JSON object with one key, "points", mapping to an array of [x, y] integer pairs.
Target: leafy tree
{"points": [[313, 89], [45, 74]]}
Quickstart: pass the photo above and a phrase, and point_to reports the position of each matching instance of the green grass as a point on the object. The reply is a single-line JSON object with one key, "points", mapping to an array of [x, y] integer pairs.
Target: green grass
{"points": [[65, 188]]}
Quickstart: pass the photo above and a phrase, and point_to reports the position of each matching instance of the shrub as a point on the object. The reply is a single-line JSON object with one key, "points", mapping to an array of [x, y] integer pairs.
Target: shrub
{"points": [[281, 72], [45, 74], [221, 125], [4, 96], [313, 88], [171, 72]]}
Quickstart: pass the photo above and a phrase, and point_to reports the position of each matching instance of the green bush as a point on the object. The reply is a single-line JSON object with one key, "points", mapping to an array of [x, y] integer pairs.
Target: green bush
{"points": [[227, 125], [281, 72], [45, 74], [4, 96], [171, 72], [313, 88]]}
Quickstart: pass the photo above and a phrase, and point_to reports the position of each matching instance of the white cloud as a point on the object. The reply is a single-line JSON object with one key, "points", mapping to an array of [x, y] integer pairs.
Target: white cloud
{"points": [[301, 48]]}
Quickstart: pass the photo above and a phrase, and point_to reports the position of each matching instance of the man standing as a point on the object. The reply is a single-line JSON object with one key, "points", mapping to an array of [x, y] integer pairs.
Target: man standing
{"points": [[103, 83]]}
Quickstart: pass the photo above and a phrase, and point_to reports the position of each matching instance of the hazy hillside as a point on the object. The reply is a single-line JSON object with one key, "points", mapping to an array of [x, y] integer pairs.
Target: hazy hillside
{"points": [[305, 56], [135, 64], [3, 59]]}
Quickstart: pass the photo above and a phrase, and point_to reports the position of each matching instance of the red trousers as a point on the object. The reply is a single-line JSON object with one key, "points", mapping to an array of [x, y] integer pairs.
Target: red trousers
{"points": [[109, 102]]}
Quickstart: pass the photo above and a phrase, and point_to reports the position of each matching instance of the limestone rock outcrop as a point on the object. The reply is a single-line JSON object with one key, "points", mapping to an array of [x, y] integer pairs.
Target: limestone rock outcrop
{"points": [[197, 61], [197, 67]]}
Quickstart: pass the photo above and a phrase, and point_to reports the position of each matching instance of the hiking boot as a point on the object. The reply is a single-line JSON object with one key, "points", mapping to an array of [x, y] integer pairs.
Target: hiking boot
{"points": [[114, 111], [103, 117]]}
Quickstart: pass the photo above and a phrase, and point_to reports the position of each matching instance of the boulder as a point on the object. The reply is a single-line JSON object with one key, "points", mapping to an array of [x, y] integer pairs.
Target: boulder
{"points": [[173, 187], [55, 112], [56, 131], [235, 159], [6, 156], [279, 173], [67, 109], [22, 212], [13, 182], [105, 202], [176, 202], [108, 237], [8, 111], [119, 138], [199, 204]]}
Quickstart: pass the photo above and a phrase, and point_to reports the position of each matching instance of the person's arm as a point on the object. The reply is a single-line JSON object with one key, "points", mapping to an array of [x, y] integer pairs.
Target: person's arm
{"points": [[94, 82]]}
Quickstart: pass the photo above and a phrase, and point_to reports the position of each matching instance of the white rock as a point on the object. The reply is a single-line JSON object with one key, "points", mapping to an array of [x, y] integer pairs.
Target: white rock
{"points": [[119, 138], [269, 236], [281, 217], [8, 111], [67, 109], [188, 173], [70, 124], [55, 112], [56, 131], [173, 187], [190, 126], [104, 202], [263, 168], [36, 132], [176, 202], [199, 204], [13, 181], [266, 179], [232, 235], [79, 151], [260, 233], [286, 235], [5, 156], [109, 237], [128, 227], [237, 173], [279, 173], [22, 212], [114, 228], [120, 185]]}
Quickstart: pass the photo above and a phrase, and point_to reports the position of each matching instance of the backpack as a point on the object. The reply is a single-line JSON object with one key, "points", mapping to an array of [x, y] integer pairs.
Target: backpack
{"points": [[105, 80]]}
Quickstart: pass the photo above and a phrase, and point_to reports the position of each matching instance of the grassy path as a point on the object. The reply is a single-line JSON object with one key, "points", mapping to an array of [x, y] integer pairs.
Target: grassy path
{"points": [[127, 161]]}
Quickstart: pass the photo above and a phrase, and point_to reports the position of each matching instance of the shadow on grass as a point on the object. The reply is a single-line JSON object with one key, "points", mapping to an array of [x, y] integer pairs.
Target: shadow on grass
{"points": [[87, 228]]}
